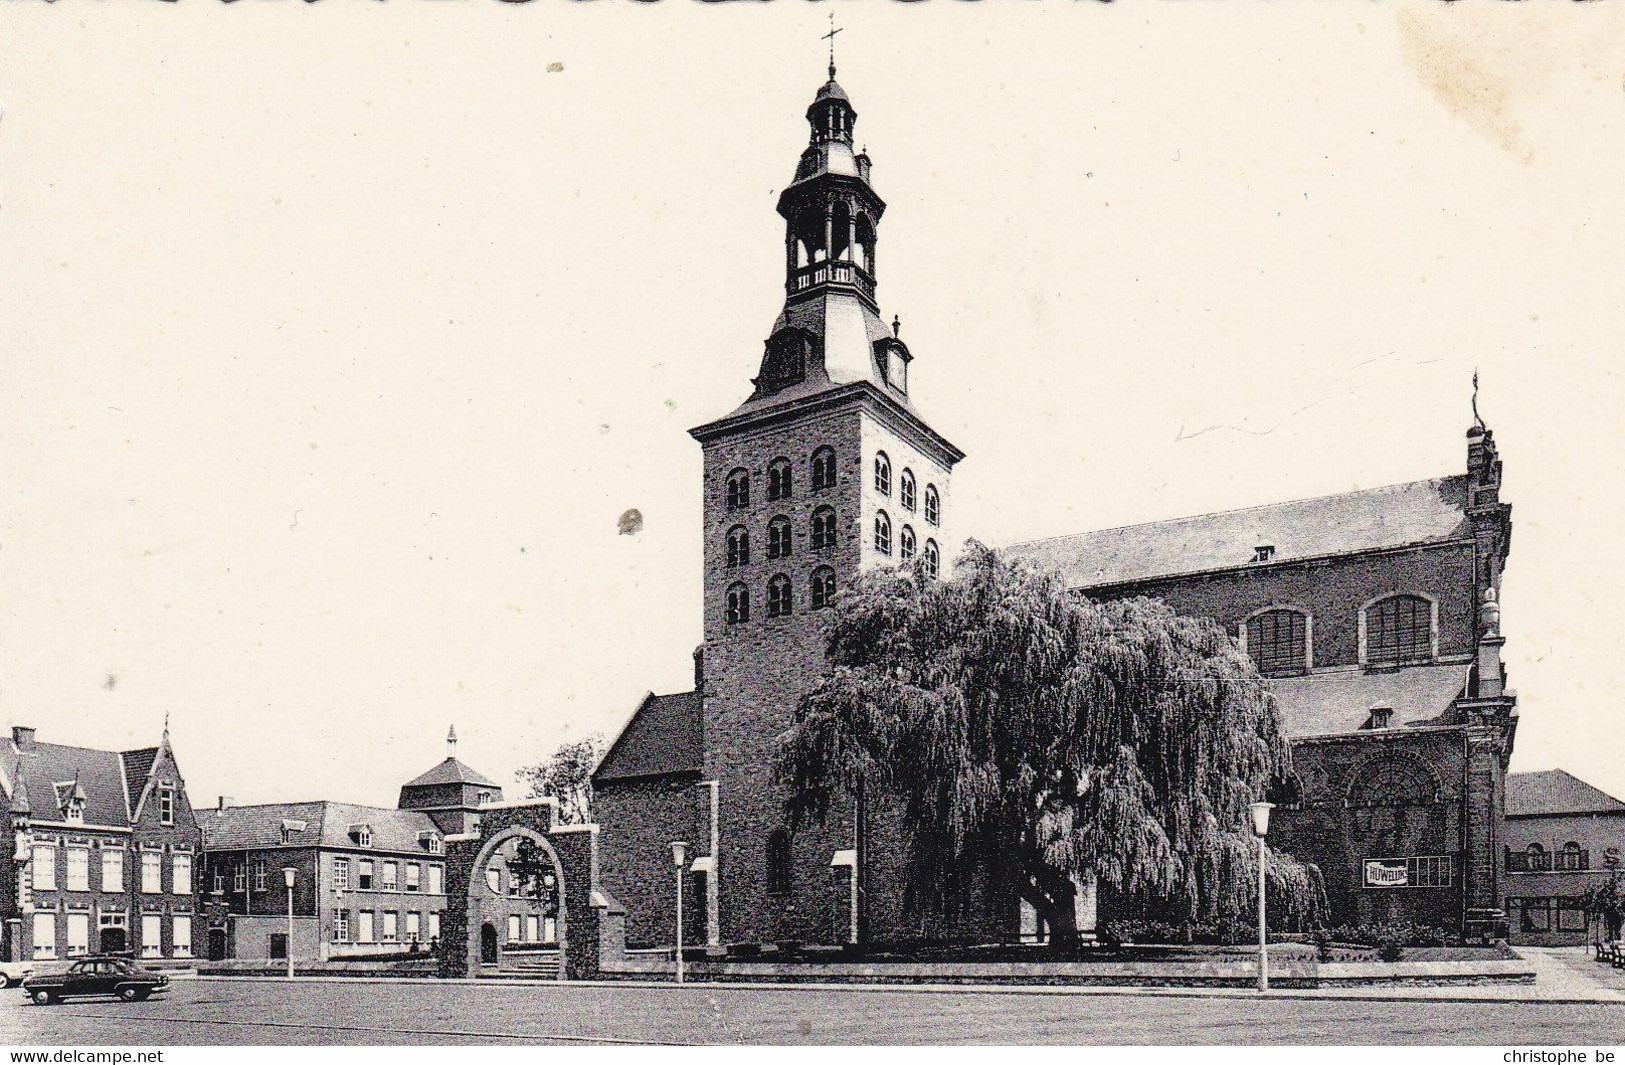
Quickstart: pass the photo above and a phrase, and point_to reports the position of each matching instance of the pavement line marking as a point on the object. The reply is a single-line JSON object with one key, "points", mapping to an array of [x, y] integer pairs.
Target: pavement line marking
{"points": [[541, 1037]]}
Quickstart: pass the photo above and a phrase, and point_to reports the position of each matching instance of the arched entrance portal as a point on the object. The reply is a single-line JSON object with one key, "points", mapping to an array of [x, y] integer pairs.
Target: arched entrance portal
{"points": [[516, 900]]}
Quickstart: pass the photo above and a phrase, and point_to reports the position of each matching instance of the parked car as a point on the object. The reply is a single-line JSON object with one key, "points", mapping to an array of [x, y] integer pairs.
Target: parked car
{"points": [[13, 972], [95, 976]]}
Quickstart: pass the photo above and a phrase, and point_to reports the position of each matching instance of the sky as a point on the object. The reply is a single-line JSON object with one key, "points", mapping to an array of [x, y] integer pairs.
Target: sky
{"points": [[335, 338]]}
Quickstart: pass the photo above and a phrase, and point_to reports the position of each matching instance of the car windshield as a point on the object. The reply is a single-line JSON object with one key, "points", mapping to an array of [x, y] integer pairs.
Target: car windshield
{"points": [[119, 965], [82, 967]]}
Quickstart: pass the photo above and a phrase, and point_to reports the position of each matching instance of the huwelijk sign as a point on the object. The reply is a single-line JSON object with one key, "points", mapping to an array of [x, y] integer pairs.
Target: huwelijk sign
{"points": [[1385, 872]]}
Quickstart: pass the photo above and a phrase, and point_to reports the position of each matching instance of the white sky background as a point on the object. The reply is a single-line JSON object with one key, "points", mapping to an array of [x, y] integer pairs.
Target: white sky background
{"points": [[334, 338]]}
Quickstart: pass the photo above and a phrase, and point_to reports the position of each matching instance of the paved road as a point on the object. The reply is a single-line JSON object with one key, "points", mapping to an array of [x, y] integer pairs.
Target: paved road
{"points": [[227, 1012]]}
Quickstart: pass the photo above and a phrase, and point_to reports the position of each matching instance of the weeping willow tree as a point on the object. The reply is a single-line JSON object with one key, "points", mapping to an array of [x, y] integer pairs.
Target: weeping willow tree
{"points": [[1030, 730]]}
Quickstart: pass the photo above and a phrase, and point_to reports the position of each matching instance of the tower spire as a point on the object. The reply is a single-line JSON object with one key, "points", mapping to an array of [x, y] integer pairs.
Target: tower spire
{"points": [[451, 742], [830, 37]]}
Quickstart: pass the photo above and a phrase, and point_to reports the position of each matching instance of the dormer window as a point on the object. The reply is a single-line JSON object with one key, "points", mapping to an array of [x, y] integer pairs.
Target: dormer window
{"points": [[75, 811], [362, 835], [1381, 717], [1263, 552], [431, 842]]}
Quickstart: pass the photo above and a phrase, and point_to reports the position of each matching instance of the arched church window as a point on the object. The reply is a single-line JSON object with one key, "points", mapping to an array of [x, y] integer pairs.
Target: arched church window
{"points": [[823, 469], [778, 862], [779, 596], [931, 559], [738, 604], [778, 480], [738, 546], [1394, 781], [883, 533], [823, 528], [905, 543], [1398, 630], [739, 490], [778, 538], [933, 505], [905, 490], [1277, 642], [823, 587], [882, 474]]}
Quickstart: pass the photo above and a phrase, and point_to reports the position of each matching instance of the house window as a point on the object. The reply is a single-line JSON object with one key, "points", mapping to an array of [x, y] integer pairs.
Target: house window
{"points": [[391, 930], [180, 935], [933, 505], [778, 862], [437, 880], [44, 868], [341, 926], [739, 490], [434, 927], [363, 874], [823, 587], [1277, 641], [260, 874], [778, 538], [823, 528], [166, 805], [930, 559], [412, 929], [113, 869], [390, 879], [883, 533], [1399, 629], [152, 873], [905, 490], [219, 879], [413, 872], [779, 598], [533, 928], [341, 874], [152, 935], [78, 869], [823, 469], [363, 927], [905, 543], [44, 935], [181, 874], [738, 604], [1394, 782], [515, 929], [882, 474], [778, 480], [78, 933], [738, 546], [239, 878]]}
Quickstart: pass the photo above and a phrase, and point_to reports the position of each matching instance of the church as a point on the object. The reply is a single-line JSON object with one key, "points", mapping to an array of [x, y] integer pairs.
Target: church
{"points": [[1373, 615]]}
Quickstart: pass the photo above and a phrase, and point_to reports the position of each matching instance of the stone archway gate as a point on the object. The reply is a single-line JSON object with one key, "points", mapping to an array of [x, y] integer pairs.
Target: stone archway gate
{"points": [[589, 921]]}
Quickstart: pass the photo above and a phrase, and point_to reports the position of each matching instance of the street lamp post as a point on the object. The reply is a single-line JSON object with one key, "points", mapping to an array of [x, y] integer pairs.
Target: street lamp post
{"points": [[1261, 827], [288, 873], [679, 855]]}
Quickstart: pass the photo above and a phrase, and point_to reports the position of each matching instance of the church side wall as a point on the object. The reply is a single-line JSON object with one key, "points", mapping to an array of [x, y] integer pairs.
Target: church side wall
{"points": [[642, 818]]}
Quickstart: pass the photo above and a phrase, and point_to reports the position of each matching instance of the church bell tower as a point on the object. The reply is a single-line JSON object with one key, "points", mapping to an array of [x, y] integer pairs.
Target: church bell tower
{"points": [[825, 470]]}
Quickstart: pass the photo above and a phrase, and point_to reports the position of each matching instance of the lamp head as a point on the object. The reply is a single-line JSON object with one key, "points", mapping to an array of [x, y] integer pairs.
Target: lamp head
{"points": [[679, 852], [1261, 817], [288, 873]]}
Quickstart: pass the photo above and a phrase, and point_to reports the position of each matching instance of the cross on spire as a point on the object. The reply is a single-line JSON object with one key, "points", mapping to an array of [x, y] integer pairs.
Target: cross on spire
{"points": [[1476, 419], [830, 37]]}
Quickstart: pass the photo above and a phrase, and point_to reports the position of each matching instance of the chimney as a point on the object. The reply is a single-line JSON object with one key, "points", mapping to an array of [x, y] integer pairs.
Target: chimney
{"points": [[23, 737], [225, 804]]}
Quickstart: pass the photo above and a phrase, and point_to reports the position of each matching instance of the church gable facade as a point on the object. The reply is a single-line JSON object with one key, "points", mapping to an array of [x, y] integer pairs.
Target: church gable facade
{"points": [[1373, 613]]}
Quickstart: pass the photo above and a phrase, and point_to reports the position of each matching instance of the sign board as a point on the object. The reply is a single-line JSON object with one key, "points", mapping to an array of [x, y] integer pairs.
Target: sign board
{"points": [[1385, 872]]}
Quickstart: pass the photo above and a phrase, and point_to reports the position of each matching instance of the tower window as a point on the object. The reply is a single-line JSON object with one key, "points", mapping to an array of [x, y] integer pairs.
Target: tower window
{"points": [[933, 505], [883, 533], [905, 490], [1277, 641], [778, 862], [778, 538], [931, 559], [823, 528], [882, 474], [739, 490], [738, 546], [778, 480], [823, 469], [1399, 629], [780, 596], [905, 543], [738, 604], [823, 587]]}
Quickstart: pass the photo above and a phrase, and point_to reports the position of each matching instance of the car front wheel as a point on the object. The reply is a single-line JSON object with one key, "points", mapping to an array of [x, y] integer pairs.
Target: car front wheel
{"points": [[5, 980], [129, 994], [43, 997]]}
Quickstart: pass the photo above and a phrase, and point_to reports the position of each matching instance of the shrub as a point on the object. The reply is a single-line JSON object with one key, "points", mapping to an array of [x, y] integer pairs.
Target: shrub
{"points": [[1323, 945], [1390, 949]]}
